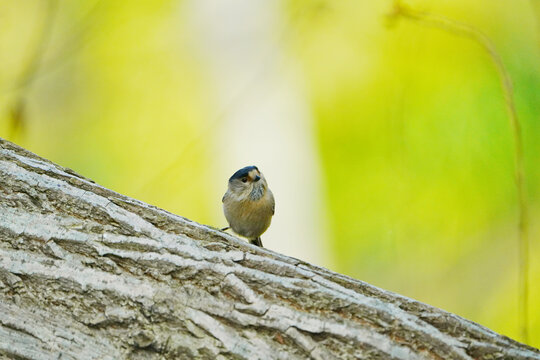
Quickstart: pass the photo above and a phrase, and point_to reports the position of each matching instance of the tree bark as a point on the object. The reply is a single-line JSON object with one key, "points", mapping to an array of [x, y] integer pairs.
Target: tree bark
{"points": [[86, 273]]}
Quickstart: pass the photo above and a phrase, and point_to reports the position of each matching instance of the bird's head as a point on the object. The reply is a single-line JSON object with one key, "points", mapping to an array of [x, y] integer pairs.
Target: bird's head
{"points": [[248, 181]]}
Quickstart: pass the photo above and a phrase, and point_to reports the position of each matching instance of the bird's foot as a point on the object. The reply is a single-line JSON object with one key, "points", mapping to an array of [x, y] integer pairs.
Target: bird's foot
{"points": [[257, 241]]}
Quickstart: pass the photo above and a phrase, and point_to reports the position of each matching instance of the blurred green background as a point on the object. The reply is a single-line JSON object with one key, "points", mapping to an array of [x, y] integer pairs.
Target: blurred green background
{"points": [[387, 143]]}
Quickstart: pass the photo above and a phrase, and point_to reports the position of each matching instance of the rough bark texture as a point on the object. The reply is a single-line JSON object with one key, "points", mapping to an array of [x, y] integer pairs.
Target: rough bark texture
{"points": [[86, 273]]}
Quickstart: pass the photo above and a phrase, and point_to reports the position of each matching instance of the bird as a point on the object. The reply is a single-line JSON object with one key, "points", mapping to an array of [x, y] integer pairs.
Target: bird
{"points": [[248, 204]]}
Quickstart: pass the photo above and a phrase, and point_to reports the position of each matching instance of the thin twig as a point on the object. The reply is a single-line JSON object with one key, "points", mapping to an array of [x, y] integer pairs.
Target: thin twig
{"points": [[36, 57], [77, 40], [17, 114], [468, 31]]}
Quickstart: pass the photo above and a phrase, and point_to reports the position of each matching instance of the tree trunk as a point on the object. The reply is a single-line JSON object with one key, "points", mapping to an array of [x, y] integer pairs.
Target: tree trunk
{"points": [[86, 273]]}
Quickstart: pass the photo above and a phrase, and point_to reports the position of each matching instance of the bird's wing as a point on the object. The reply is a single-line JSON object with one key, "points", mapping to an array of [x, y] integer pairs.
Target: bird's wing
{"points": [[273, 203]]}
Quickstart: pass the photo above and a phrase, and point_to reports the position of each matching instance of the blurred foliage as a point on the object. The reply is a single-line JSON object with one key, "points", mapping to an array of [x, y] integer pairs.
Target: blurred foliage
{"points": [[418, 151], [413, 135]]}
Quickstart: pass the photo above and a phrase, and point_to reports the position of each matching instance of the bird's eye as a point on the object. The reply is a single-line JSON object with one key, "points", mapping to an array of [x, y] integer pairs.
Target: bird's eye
{"points": [[244, 179]]}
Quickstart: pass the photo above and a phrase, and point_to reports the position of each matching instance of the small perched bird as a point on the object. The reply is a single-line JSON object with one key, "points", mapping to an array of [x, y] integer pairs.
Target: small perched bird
{"points": [[248, 204]]}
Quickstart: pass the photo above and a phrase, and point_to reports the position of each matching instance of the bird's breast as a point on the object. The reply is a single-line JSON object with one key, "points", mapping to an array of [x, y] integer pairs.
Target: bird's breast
{"points": [[247, 217]]}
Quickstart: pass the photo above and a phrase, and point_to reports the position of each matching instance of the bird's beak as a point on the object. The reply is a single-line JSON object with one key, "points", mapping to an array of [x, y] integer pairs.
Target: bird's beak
{"points": [[257, 178]]}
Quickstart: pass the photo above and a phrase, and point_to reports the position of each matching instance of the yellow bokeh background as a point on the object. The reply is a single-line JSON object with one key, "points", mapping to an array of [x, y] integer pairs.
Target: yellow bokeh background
{"points": [[404, 143]]}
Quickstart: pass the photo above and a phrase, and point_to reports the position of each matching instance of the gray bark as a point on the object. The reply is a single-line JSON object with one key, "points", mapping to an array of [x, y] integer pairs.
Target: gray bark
{"points": [[86, 273]]}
